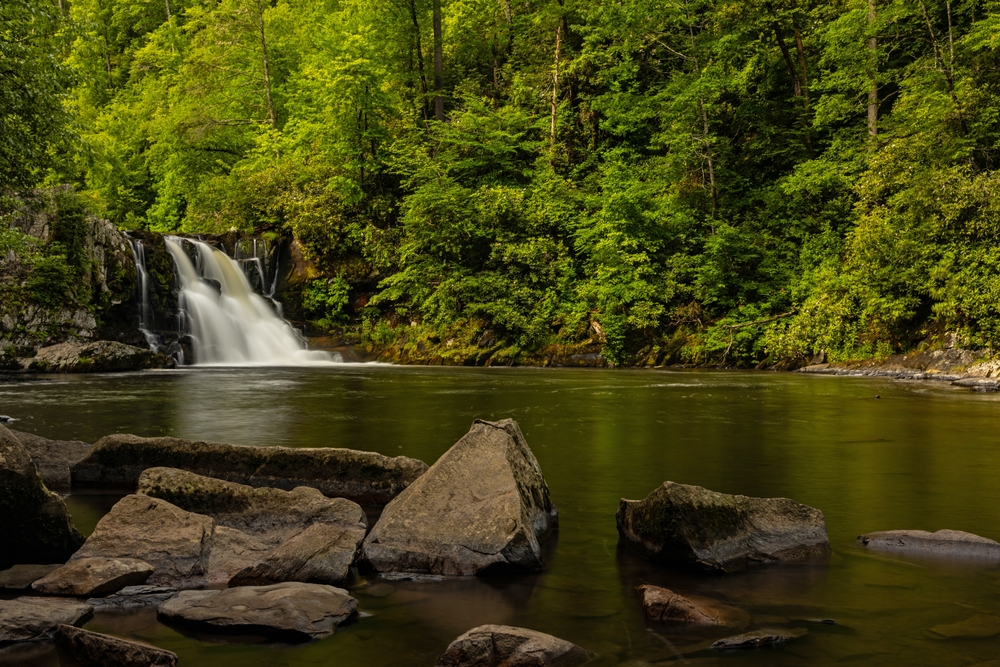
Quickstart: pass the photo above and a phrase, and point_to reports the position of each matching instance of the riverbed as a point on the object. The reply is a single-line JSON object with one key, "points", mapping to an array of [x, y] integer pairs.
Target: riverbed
{"points": [[872, 454]]}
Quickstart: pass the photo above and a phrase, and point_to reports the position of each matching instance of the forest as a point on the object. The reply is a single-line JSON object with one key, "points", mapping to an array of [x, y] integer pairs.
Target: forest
{"points": [[686, 181]]}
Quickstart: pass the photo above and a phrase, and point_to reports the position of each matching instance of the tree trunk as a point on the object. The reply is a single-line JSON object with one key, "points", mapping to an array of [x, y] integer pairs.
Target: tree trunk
{"points": [[438, 63], [271, 116], [555, 92], [873, 90], [706, 140], [420, 60]]}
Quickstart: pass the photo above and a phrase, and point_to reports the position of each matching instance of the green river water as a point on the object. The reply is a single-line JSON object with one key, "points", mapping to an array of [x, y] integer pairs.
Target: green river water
{"points": [[923, 456]]}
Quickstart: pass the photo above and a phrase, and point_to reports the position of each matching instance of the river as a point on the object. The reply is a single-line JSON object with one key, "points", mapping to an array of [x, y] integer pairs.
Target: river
{"points": [[922, 456]]}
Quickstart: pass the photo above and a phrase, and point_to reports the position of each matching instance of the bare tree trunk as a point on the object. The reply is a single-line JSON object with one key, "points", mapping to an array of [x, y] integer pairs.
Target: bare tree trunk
{"points": [[939, 61], [873, 91], [555, 92], [271, 116], [166, 2], [706, 140], [420, 60], [438, 63]]}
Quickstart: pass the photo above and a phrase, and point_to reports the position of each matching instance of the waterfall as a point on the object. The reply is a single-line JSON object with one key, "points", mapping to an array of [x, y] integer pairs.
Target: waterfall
{"points": [[229, 324], [145, 312]]}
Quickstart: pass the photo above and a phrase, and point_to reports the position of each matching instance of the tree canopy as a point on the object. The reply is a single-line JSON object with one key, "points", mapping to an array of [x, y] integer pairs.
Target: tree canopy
{"points": [[740, 181]]}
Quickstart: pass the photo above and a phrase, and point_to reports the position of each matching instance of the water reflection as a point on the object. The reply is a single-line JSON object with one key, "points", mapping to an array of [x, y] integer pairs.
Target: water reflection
{"points": [[923, 456]]}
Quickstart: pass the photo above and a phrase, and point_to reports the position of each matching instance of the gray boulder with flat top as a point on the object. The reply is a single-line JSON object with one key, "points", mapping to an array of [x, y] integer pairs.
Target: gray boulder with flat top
{"points": [[29, 618], [507, 646], [291, 611], [367, 478], [690, 526], [35, 525], [482, 507]]}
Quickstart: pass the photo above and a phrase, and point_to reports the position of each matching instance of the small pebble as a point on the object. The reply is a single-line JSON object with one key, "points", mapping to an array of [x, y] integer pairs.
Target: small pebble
{"points": [[877, 396]]}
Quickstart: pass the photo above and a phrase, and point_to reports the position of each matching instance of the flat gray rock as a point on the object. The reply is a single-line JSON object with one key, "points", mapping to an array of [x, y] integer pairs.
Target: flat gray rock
{"points": [[507, 646], [662, 604], [690, 526], [29, 618], [483, 506], [367, 478], [34, 522], [53, 458], [133, 598], [94, 576], [941, 544], [289, 611], [20, 577], [93, 649], [322, 554], [756, 639]]}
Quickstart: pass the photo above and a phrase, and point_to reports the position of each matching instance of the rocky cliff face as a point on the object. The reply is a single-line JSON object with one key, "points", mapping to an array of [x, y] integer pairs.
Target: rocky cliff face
{"points": [[65, 276]]}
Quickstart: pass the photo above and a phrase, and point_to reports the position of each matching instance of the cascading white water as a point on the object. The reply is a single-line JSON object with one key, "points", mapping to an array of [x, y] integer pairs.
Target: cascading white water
{"points": [[145, 312], [229, 324]]}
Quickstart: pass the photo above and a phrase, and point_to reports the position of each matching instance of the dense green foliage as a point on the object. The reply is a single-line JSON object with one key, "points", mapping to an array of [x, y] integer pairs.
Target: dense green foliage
{"points": [[735, 181]]}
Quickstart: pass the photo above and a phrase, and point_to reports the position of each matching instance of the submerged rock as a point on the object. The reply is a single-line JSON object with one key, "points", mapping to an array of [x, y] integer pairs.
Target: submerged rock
{"points": [[484, 506], [29, 618], [102, 356], [756, 639], [132, 598], [322, 553], [942, 544], [507, 646], [367, 478], [94, 576], [290, 611], [20, 577], [53, 458], [662, 604], [974, 627], [684, 525], [93, 649], [34, 522]]}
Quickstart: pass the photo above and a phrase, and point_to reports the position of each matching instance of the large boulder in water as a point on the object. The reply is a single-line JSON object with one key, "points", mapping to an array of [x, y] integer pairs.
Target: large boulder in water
{"points": [[34, 523], [690, 526], [367, 478], [186, 550], [198, 531], [315, 538], [102, 356], [484, 506], [507, 646], [289, 611], [53, 458]]}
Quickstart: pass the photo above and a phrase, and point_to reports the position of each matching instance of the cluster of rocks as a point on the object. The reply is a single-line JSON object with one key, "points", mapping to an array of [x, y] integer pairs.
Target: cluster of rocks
{"points": [[263, 540], [251, 540], [969, 369]]}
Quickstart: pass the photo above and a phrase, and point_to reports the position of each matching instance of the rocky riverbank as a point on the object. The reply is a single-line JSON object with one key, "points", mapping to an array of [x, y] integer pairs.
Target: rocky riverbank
{"points": [[971, 369]]}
